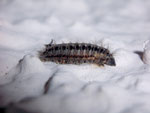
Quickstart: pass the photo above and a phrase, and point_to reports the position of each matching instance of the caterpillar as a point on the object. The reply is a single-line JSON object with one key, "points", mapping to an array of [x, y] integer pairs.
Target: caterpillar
{"points": [[77, 53]]}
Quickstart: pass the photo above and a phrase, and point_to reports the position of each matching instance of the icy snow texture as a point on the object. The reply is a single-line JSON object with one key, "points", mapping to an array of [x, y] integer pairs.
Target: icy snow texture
{"points": [[36, 87]]}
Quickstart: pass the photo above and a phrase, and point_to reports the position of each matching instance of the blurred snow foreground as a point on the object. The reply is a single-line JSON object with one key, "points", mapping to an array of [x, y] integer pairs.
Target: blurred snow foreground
{"points": [[28, 85]]}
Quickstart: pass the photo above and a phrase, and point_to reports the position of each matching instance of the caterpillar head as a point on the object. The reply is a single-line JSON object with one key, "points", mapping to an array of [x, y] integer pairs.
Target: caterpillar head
{"points": [[107, 60], [110, 61]]}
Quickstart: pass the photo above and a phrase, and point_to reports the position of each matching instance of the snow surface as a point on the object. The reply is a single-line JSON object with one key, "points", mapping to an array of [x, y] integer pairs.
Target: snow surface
{"points": [[30, 86]]}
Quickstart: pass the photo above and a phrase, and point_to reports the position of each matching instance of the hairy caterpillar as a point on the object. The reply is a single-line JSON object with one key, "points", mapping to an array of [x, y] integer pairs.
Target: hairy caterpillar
{"points": [[77, 53]]}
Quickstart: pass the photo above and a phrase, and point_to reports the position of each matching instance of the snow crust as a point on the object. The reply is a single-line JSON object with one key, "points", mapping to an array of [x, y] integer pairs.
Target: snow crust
{"points": [[30, 86]]}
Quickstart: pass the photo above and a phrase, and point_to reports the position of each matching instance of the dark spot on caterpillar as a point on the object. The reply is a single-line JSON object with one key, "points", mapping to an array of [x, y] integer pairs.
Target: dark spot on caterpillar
{"points": [[92, 48], [83, 47], [101, 50], [77, 47], [71, 47], [63, 47], [89, 47], [56, 48], [77, 53]]}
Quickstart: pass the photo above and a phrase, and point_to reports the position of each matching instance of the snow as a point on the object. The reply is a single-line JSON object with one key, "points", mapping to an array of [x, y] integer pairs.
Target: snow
{"points": [[146, 53], [30, 86]]}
